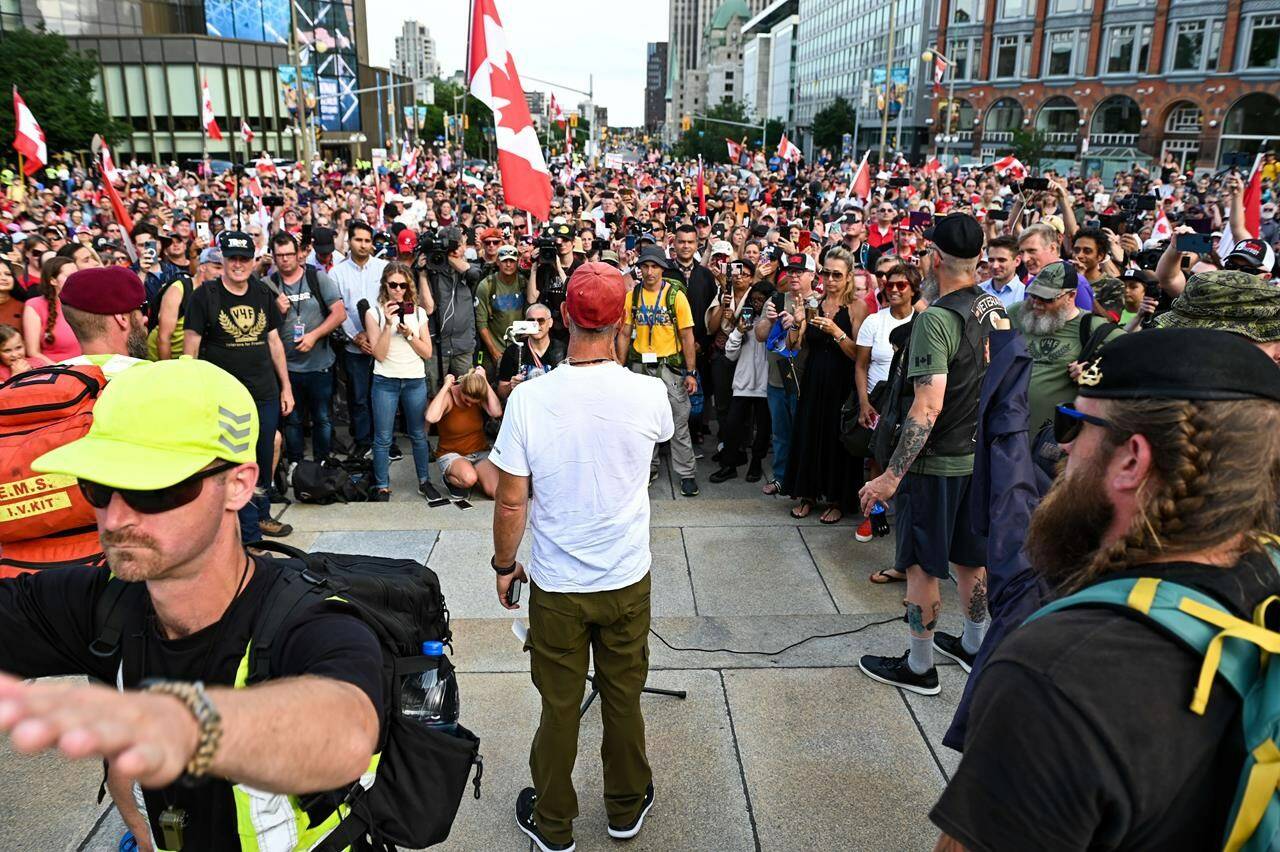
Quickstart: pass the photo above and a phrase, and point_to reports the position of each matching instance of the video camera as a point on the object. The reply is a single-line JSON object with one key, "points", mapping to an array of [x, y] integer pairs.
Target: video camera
{"points": [[434, 247]]}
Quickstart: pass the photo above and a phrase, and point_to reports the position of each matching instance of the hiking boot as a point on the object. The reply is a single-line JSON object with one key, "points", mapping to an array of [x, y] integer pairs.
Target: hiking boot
{"points": [[755, 471], [895, 672], [524, 818], [631, 829], [689, 487], [952, 646], [724, 474], [395, 453], [275, 529], [380, 495], [864, 531]]}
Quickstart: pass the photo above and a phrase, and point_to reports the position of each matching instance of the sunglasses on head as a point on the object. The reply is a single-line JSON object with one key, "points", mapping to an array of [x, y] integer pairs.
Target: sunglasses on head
{"points": [[1068, 421], [152, 501]]}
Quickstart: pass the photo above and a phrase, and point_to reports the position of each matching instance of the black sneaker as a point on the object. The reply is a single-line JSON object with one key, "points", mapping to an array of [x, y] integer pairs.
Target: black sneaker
{"points": [[895, 672], [361, 453], [380, 495], [524, 818], [631, 829], [689, 487], [952, 646], [395, 453], [724, 474], [755, 471]]}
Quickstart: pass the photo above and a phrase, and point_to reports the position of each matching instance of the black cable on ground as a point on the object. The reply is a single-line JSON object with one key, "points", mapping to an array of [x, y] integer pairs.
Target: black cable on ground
{"points": [[780, 650]]}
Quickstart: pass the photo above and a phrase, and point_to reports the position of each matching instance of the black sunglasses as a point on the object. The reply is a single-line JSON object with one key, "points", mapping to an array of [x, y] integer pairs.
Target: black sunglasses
{"points": [[1067, 423], [156, 500]]}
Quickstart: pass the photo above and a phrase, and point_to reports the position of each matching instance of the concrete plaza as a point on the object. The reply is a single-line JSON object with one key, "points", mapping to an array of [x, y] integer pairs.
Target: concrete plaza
{"points": [[797, 751]]}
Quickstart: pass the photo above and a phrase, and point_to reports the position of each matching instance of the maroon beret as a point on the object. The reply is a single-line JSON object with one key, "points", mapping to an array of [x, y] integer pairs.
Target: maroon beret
{"points": [[105, 290]]}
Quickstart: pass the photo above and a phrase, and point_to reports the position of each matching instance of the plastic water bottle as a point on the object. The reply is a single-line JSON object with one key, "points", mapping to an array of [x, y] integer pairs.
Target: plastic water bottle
{"points": [[879, 520], [429, 698]]}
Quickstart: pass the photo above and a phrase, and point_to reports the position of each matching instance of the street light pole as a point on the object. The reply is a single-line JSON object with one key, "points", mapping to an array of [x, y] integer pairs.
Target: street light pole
{"points": [[888, 81], [304, 126], [928, 56]]}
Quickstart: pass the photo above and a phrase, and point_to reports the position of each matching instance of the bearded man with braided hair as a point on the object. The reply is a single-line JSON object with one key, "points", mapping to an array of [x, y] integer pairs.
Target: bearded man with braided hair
{"points": [[1080, 733]]}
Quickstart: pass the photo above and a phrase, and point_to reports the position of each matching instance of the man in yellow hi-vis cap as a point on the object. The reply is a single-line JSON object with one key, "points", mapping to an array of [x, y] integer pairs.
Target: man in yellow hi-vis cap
{"points": [[166, 465]]}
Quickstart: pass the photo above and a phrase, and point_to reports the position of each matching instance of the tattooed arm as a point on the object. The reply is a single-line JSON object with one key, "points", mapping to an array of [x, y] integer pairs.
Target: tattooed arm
{"points": [[924, 412]]}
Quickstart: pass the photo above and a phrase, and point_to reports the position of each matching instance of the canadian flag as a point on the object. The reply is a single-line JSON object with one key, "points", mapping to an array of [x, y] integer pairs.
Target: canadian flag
{"points": [[1161, 230], [556, 112], [207, 116], [103, 156], [491, 70], [409, 159], [28, 138], [1011, 166], [939, 69], [246, 131], [1252, 201], [702, 190], [266, 167], [932, 165], [861, 183], [787, 150], [735, 150], [109, 166]]}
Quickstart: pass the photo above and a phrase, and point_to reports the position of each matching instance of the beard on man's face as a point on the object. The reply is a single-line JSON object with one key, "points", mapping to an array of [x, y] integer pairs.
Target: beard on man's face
{"points": [[1043, 324], [133, 556], [136, 343], [1068, 526], [929, 288]]}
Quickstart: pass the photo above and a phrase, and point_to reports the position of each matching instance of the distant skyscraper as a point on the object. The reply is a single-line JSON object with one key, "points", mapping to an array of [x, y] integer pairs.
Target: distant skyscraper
{"points": [[655, 85], [416, 57]]}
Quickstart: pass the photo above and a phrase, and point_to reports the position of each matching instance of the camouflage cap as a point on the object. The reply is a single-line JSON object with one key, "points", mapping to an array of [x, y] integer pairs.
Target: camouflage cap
{"points": [[1109, 292], [1052, 280], [1227, 300]]}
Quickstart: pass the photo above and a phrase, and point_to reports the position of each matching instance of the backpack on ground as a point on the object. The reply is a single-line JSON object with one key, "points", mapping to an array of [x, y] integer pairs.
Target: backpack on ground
{"points": [[321, 484], [1241, 653], [422, 773], [45, 522]]}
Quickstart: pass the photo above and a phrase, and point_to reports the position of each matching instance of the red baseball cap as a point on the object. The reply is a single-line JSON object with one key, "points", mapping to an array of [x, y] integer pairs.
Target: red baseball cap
{"points": [[105, 291], [595, 295], [407, 241]]}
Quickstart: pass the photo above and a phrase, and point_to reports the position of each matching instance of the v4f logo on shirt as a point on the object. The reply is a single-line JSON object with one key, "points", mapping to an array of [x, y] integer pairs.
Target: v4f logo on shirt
{"points": [[244, 324]]}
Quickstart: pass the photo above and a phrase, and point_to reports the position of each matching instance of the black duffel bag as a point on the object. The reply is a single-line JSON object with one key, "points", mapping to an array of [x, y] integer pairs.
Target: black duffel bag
{"points": [[322, 484]]}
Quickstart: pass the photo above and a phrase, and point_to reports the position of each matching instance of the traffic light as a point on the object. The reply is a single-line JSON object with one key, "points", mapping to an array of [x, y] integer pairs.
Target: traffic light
{"points": [[466, 122], [686, 122]]}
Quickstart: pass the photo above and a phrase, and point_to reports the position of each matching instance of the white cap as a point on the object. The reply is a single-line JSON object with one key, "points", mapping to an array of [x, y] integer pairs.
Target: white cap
{"points": [[721, 247]]}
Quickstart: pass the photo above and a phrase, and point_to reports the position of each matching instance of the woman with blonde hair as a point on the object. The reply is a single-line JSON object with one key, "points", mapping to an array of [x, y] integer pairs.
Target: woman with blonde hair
{"points": [[463, 450], [397, 329]]}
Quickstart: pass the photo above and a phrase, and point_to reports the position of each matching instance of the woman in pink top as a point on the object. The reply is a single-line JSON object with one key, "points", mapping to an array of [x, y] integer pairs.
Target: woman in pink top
{"points": [[44, 327]]}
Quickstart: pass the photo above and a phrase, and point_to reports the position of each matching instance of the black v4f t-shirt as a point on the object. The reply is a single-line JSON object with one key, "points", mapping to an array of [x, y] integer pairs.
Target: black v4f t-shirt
{"points": [[234, 331]]}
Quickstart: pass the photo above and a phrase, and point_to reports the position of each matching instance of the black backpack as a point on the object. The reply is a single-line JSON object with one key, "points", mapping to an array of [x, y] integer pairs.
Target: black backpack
{"points": [[898, 396], [322, 484], [1045, 451], [423, 773]]}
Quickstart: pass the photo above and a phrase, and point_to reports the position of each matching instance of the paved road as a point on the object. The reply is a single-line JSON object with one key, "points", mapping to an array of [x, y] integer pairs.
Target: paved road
{"points": [[791, 752]]}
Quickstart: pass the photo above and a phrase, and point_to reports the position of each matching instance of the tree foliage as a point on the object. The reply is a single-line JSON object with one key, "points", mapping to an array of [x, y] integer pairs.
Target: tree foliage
{"points": [[706, 135], [831, 123], [449, 100], [57, 84], [1029, 146]]}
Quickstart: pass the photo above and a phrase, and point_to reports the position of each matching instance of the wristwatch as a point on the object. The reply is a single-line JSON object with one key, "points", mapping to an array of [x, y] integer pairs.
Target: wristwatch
{"points": [[208, 719], [502, 572]]}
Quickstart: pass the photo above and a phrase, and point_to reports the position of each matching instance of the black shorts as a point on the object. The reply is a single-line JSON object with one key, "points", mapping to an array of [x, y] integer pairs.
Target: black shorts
{"points": [[933, 525]]}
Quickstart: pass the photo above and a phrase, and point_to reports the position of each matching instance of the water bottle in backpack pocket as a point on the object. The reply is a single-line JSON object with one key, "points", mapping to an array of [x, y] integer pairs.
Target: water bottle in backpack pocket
{"points": [[431, 697]]}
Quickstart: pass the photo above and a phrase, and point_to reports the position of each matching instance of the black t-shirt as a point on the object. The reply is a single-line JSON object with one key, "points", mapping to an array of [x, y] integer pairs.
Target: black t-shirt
{"points": [[1081, 736], [46, 622], [234, 332], [551, 292], [555, 353]]}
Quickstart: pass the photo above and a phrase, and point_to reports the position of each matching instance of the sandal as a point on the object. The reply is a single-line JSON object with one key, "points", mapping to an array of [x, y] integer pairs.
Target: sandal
{"points": [[884, 577], [826, 518], [801, 511], [773, 487]]}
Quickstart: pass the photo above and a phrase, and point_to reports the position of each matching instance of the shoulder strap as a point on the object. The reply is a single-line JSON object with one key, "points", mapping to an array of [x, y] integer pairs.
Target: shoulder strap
{"points": [[1086, 327], [635, 303], [108, 619], [283, 598], [1100, 333], [313, 284]]}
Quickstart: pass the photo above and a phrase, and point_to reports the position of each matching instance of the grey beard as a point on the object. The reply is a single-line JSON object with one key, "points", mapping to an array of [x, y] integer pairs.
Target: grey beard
{"points": [[929, 288], [1041, 325]]}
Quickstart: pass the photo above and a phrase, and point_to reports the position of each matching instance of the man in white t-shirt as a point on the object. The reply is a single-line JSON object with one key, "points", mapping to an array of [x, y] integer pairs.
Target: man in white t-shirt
{"points": [[583, 435]]}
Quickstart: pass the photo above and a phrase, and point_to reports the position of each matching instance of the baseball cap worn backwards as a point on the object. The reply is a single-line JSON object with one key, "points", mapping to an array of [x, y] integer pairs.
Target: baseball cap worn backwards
{"points": [[595, 295], [157, 424], [1227, 300]]}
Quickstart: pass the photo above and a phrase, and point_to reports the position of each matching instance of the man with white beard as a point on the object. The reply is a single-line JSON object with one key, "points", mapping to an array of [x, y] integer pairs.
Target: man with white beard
{"points": [[1057, 334]]}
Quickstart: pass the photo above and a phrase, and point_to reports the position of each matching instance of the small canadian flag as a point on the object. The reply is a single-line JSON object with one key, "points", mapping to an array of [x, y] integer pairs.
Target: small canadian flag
{"points": [[787, 149], [207, 116], [28, 138], [1162, 230], [932, 165], [246, 131]]}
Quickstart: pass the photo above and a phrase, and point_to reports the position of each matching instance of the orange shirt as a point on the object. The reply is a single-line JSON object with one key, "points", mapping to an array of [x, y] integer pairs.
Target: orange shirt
{"points": [[461, 431]]}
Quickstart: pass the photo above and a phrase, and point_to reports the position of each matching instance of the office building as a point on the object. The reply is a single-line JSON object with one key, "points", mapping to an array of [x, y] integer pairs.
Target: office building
{"points": [[1111, 84], [769, 49], [415, 58], [655, 85], [842, 51], [723, 50], [688, 79]]}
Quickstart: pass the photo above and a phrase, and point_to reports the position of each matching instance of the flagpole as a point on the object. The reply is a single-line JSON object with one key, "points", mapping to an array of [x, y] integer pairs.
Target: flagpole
{"points": [[22, 178], [466, 93]]}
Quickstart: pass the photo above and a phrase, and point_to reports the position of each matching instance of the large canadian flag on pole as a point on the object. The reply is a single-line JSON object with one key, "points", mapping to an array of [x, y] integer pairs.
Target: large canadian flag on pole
{"points": [[491, 70], [207, 116], [28, 138], [861, 183], [787, 150]]}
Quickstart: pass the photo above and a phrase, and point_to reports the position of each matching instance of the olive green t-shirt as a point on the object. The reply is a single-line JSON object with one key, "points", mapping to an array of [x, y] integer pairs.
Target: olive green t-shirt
{"points": [[1051, 355], [935, 338], [498, 305]]}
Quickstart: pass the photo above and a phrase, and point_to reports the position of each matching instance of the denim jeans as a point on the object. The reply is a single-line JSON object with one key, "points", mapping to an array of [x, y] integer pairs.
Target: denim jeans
{"points": [[389, 394], [359, 372], [258, 509], [782, 413], [312, 393]]}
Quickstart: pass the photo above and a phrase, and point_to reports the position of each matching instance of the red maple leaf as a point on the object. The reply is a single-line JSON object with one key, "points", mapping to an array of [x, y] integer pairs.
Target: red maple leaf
{"points": [[505, 85]]}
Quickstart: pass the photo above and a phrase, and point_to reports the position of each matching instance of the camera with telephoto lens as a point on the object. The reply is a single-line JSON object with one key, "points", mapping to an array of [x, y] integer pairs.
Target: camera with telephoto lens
{"points": [[433, 249], [547, 248]]}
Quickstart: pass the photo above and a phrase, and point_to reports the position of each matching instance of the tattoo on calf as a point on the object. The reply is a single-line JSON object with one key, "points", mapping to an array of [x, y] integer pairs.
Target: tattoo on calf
{"points": [[978, 600], [915, 617]]}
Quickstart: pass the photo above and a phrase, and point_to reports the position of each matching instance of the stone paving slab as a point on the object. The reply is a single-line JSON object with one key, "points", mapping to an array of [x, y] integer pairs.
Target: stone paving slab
{"points": [[831, 761], [747, 571]]}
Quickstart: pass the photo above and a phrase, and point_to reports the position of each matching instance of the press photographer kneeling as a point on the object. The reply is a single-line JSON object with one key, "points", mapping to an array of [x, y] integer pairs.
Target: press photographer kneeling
{"points": [[582, 435]]}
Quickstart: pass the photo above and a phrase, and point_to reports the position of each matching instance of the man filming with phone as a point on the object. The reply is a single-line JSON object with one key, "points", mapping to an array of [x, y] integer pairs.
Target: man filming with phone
{"points": [[533, 353], [582, 436]]}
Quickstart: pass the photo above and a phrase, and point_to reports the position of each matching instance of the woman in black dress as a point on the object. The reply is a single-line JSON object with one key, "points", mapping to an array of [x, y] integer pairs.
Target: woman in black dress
{"points": [[819, 469]]}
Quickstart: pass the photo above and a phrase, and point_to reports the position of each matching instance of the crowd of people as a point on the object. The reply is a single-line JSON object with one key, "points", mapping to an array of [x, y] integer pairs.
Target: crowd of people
{"points": [[929, 348]]}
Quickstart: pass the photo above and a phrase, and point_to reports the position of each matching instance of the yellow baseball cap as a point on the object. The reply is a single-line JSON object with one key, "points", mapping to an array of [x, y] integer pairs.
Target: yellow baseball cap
{"points": [[157, 424]]}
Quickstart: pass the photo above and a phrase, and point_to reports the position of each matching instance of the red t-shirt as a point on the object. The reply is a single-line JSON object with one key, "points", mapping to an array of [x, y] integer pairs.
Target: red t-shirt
{"points": [[876, 239]]}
